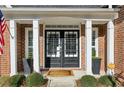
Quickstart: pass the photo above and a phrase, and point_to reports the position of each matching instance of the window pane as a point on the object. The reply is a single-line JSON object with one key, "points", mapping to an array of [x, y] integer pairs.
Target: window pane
{"points": [[30, 44], [52, 44], [93, 38], [30, 52], [71, 44], [30, 38]]}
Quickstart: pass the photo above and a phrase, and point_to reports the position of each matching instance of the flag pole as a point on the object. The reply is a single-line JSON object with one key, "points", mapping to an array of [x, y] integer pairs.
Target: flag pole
{"points": [[9, 31]]}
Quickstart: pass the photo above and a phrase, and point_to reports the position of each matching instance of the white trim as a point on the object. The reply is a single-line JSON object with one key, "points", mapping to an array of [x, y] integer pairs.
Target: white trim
{"points": [[110, 6], [106, 10], [43, 46], [88, 46], [96, 40], [26, 40], [80, 45], [13, 48], [110, 46], [63, 27], [8, 6], [36, 58], [83, 19], [98, 19]]}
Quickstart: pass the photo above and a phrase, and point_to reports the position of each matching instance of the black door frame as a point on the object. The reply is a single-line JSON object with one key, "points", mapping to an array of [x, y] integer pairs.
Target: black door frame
{"points": [[63, 30]]}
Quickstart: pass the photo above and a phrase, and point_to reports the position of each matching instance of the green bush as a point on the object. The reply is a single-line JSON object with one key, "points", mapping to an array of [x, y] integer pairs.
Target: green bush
{"points": [[107, 80], [17, 80], [34, 79], [88, 81]]}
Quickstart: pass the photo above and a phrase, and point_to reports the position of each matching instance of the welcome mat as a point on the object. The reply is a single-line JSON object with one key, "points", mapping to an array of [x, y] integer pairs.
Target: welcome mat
{"points": [[60, 73]]}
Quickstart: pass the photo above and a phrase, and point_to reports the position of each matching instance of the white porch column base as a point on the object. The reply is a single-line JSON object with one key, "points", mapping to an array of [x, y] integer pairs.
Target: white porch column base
{"points": [[88, 33], [36, 64], [110, 46], [13, 48]]}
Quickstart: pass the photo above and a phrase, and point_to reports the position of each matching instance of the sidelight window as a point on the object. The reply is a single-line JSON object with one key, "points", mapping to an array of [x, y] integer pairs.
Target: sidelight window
{"points": [[95, 42]]}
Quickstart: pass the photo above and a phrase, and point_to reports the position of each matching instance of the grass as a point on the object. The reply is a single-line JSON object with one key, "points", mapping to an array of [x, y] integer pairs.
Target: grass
{"points": [[4, 81]]}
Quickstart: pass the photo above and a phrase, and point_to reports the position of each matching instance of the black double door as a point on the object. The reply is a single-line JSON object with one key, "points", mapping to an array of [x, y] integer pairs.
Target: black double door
{"points": [[61, 48]]}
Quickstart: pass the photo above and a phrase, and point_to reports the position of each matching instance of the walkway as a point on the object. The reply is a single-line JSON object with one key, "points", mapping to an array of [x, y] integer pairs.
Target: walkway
{"points": [[68, 81]]}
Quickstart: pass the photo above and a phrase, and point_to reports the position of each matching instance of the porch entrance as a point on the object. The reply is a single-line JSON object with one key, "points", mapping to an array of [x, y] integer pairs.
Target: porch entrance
{"points": [[61, 48]]}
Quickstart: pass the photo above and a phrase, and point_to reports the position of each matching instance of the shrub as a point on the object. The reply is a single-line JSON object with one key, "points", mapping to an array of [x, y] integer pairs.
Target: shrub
{"points": [[107, 80], [17, 80], [34, 79], [88, 81]]}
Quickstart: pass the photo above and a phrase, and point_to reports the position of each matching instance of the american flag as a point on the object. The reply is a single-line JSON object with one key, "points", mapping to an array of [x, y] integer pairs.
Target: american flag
{"points": [[3, 26]]}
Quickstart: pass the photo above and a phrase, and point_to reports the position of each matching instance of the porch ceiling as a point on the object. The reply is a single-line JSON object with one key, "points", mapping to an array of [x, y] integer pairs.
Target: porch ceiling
{"points": [[86, 13]]}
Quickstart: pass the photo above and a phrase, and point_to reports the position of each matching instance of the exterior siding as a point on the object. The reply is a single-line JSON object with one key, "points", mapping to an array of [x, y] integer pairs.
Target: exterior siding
{"points": [[41, 46], [102, 45], [119, 42], [21, 45], [82, 36], [5, 58]]}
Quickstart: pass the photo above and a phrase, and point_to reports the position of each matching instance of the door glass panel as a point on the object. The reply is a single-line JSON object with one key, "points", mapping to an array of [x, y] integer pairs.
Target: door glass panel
{"points": [[70, 44], [53, 44]]}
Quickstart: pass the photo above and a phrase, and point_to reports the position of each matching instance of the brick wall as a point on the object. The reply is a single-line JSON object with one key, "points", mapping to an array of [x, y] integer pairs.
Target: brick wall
{"points": [[101, 45], [41, 46], [5, 57], [119, 26], [21, 45], [119, 42], [82, 36]]}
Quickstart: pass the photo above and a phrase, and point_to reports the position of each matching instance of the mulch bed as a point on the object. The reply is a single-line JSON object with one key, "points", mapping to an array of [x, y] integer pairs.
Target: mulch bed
{"points": [[78, 83]]}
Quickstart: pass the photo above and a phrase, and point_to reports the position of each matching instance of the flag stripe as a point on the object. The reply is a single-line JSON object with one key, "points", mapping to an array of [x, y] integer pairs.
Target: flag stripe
{"points": [[3, 26]]}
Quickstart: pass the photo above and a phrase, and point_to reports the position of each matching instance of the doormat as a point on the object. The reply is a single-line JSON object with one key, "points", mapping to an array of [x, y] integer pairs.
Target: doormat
{"points": [[60, 73]]}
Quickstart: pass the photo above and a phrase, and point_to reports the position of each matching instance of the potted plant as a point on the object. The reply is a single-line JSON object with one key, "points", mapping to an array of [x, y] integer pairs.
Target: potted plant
{"points": [[30, 61], [96, 62]]}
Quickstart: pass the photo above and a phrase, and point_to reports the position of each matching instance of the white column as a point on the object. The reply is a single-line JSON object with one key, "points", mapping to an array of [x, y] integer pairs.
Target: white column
{"points": [[13, 48], [88, 34], [110, 45], [36, 64]]}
